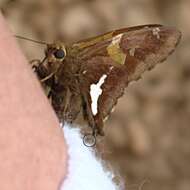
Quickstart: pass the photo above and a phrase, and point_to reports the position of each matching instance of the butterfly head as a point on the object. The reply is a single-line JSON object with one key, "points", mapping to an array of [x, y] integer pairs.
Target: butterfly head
{"points": [[55, 53]]}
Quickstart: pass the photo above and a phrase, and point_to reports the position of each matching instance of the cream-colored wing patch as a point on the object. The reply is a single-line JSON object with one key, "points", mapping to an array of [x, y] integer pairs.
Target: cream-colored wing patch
{"points": [[115, 51]]}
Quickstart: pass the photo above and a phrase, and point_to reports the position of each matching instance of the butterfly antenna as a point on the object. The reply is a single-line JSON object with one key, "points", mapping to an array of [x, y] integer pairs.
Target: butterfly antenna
{"points": [[35, 41]]}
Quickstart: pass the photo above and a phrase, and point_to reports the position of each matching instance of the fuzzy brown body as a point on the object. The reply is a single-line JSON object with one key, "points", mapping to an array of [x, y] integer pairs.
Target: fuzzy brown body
{"points": [[65, 91], [107, 62]]}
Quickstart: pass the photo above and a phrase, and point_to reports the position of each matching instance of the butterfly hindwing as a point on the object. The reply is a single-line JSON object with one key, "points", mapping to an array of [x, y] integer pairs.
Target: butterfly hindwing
{"points": [[110, 61]]}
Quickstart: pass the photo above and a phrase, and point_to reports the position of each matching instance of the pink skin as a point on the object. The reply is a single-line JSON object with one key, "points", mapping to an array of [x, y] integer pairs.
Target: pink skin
{"points": [[32, 147]]}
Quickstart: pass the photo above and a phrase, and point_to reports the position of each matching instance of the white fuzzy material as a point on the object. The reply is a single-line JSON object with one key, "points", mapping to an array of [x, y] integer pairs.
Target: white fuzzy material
{"points": [[85, 172]]}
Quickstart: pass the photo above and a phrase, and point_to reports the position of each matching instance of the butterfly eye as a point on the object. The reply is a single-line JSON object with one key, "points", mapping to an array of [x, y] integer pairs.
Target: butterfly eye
{"points": [[59, 54]]}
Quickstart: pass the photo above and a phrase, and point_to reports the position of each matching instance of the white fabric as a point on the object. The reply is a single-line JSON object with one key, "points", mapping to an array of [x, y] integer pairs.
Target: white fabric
{"points": [[85, 172]]}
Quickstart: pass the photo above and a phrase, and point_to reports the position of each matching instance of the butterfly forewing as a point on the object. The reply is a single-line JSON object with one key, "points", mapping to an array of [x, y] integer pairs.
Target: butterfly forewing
{"points": [[110, 61]]}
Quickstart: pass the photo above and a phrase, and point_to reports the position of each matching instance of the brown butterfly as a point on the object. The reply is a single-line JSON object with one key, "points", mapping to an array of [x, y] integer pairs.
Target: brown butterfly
{"points": [[91, 75]]}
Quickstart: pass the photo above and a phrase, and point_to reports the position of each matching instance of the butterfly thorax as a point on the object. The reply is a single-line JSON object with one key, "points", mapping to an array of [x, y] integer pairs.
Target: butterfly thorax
{"points": [[64, 82]]}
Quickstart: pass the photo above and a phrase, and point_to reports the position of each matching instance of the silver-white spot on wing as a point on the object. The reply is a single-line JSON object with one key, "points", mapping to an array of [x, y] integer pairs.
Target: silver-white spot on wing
{"points": [[95, 92], [155, 32], [116, 39], [132, 52]]}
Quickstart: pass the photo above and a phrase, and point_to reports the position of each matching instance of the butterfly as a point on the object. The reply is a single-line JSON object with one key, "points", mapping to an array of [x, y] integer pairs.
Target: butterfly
{"points": [[92, 74]]}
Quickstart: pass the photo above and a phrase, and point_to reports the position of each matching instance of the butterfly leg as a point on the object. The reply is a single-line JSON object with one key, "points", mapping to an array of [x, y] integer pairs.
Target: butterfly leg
{"points": [[66, 105], [60, 101], [40, 70], [99, 124], [87, 112], [95, 122], [35, 63]]}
